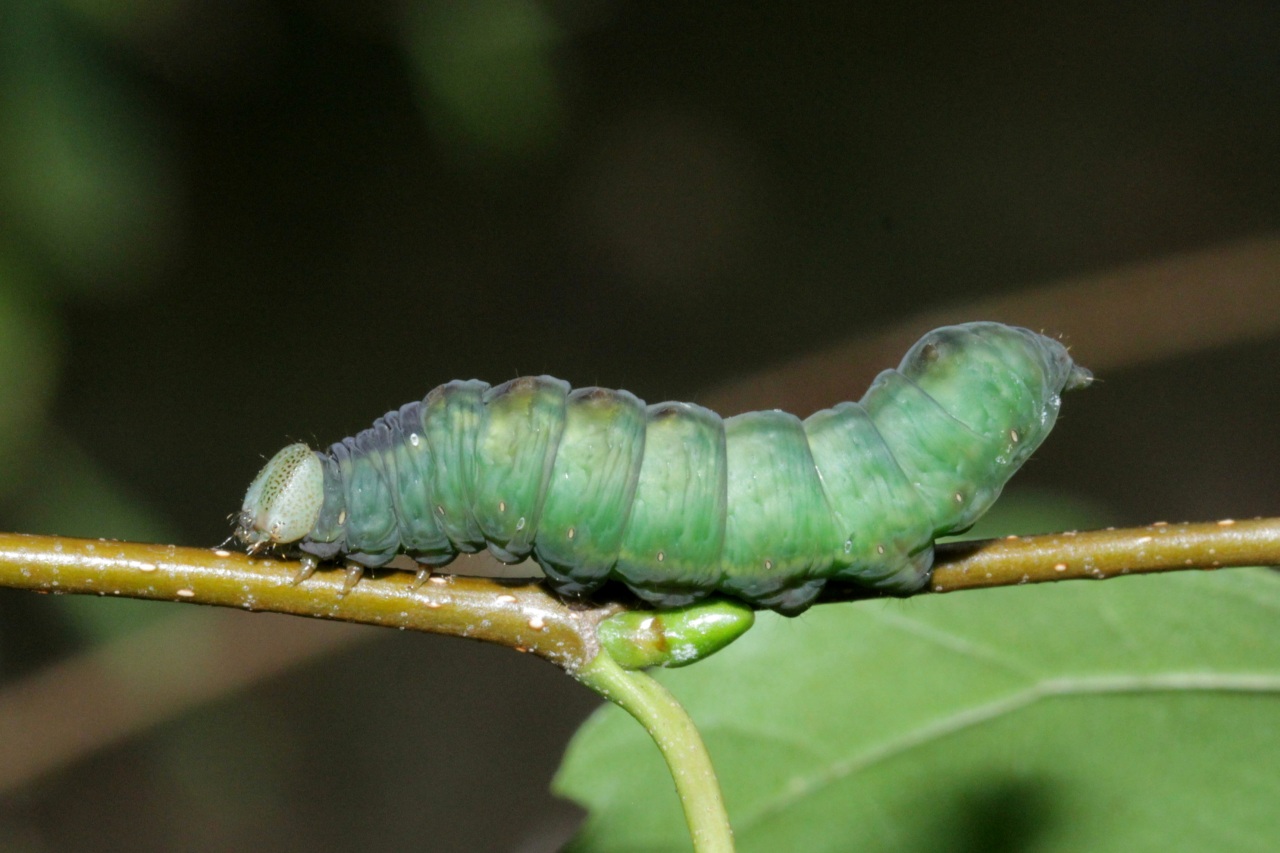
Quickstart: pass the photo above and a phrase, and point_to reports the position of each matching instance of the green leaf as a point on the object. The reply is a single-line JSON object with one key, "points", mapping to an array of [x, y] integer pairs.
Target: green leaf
{"points": [[1138, 714]]}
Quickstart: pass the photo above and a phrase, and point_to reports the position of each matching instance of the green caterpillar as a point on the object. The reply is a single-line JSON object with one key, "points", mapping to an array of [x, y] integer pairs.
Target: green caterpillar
{"points": [[669, 498]]}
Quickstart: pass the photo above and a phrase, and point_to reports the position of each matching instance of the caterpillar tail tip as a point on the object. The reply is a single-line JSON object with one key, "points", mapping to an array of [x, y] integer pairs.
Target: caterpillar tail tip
{"points": [[1080, 377]]}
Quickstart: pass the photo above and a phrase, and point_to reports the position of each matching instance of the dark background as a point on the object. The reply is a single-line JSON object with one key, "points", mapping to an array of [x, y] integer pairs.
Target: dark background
{"points": [[226, 226]]}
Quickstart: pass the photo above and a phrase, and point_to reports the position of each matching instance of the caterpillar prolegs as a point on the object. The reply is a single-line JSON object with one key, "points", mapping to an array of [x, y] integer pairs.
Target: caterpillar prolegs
{"points": [[671, 499]]}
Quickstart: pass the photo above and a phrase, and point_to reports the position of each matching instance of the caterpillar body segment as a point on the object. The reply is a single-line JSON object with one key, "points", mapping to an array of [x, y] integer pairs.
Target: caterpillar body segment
{"points": [[587, 510], [671, 499], [675, 533]]}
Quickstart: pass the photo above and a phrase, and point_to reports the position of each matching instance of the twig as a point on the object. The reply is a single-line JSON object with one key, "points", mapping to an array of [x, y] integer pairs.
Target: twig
{"points": [[525, 617], [1096, 555], [1100, 554], [677, 737], [521, 615]]}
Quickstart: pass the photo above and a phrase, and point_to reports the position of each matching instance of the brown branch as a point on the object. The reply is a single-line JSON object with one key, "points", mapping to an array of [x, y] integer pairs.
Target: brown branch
{"points": [[524, 616], [1097, 555], [1109, 553], [521, 615]]}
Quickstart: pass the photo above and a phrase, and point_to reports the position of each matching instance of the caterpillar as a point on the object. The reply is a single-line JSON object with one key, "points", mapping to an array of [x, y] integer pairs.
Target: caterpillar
{"points": [[670, 499]]}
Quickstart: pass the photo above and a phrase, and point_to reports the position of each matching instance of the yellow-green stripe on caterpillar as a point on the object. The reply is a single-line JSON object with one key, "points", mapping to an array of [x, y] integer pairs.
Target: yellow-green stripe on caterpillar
{"points": [[671, 499]]}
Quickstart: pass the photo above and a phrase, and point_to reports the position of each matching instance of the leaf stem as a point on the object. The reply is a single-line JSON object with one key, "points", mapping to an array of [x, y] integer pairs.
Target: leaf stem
{"points": [[677, 737]]}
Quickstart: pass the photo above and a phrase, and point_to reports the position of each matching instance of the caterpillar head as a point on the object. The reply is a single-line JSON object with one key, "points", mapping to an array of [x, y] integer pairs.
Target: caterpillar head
{"points": [[283, 502]]}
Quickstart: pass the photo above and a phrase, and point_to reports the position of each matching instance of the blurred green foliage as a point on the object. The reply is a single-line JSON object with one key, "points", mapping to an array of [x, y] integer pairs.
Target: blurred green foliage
{"points": [[488, 74], [87, 181], [29, 356], [87, 191]]}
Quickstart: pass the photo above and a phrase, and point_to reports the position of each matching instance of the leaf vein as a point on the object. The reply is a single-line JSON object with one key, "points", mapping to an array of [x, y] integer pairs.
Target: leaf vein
{"points": [[1048, 688]]}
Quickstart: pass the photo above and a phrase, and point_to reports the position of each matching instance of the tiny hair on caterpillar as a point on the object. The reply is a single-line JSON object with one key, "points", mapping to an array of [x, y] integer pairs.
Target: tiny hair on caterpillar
{"points": [[670, 498]]}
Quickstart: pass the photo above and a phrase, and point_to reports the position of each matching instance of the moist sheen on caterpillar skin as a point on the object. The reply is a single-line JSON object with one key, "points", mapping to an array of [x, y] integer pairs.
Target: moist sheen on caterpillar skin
{"points": [[671, 499]]}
